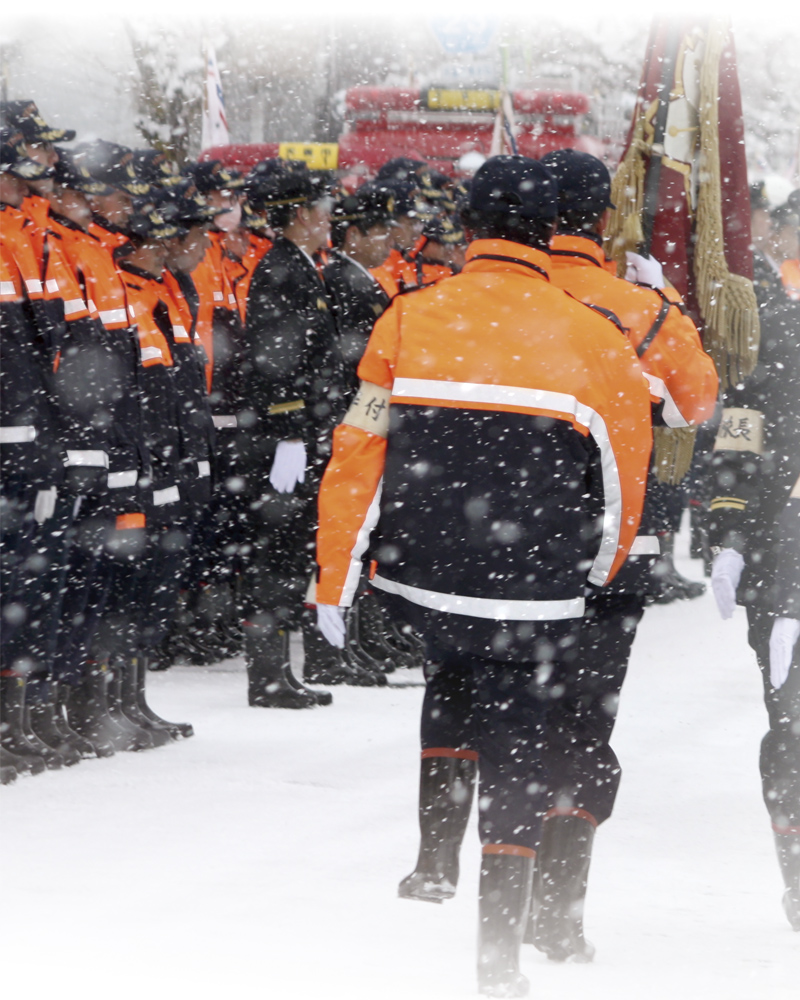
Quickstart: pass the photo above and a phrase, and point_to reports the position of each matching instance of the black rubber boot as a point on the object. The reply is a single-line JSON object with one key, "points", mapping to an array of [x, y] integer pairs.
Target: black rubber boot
{"points": [[137, 736], [15, 735], [670, 584], [40, 717], [410, 646], [325, 664], [177, 730], [8, 769], [321, 697], [83, 746], [562, 873], [446, 789], [268, 671], [503, 901], [129, 703], [22, 765], [87, 712], [366, 636], [788, 847]]}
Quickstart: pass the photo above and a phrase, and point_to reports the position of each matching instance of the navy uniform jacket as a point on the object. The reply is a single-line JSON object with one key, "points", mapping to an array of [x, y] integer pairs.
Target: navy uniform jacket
{"points": [[756, 468], [292, 378], [358, 301]]}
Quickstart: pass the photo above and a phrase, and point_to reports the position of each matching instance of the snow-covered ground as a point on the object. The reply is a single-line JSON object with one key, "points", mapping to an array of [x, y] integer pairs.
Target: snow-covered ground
{"points": [[260, 859]]}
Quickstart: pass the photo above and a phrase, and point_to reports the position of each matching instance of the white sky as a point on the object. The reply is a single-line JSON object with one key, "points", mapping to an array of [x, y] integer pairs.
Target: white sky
{"points": [[776, 12]]}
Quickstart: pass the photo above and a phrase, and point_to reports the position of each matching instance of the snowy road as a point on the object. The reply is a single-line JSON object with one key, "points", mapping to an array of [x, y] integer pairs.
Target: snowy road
{"points": [[260, 859]]}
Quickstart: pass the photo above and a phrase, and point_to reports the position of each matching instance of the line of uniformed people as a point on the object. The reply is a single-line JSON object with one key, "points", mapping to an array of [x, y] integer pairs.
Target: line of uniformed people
{"points": [[145, 499]]}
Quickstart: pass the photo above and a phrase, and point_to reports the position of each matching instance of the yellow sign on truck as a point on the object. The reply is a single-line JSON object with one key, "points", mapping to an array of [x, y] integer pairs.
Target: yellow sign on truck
{"points": [[316, 155]]}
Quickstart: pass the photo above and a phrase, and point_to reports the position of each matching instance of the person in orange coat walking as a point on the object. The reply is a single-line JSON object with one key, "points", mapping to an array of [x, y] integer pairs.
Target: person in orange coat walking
{"points": [[585, 772], [499, 444]]}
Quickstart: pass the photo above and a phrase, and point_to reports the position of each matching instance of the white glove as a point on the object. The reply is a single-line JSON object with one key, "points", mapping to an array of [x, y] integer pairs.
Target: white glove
{"points": [[785, 633], [725, 576], [288, 466], [330, 621], [644, 270]]}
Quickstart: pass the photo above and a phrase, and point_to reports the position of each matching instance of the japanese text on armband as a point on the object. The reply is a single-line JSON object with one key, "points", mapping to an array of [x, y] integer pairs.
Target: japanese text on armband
{"points": [[740, 430], [370, 410]]}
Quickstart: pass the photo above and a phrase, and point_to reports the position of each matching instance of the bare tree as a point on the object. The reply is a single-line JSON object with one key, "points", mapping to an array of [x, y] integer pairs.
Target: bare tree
{"points": [[169, 95]]}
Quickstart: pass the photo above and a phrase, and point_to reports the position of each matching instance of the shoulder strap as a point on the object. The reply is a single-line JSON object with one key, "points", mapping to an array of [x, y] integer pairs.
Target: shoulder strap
{"points": [[511, 260], [658, 322], [575, 253], [609, 315]]}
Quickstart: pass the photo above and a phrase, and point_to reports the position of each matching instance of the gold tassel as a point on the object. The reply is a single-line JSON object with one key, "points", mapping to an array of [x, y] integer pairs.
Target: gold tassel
{"points": [[624, 229], [727, 301], [673, 450]]}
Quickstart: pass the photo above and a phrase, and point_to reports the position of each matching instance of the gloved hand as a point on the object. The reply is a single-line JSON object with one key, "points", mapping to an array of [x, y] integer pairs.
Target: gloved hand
{"points": [[45, 505], [785, 633], [288, 466], [644, 270], [330, 621], [726, 573]]}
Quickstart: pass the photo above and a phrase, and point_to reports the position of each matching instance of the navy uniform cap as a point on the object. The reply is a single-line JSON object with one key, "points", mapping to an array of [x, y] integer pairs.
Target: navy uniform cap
{"points": [[112, 164], [14, 160], [24, 115], [155, 167], [584, 183], [370, 205], [184, 205], [150, 221], [71, 173], [213, 175], [254, 220], [408, 200], [401, 168], [444, 229], [273, 183], [514, 185]]}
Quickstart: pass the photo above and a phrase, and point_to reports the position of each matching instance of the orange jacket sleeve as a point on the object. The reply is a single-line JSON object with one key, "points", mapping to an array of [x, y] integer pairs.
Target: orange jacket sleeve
{"points": [[349, 495], [349, 504], [675, 357]]}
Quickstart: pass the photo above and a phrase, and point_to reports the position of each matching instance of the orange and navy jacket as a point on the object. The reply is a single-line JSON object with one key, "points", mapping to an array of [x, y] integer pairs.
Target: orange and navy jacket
{"points": [[215, 304], [111, 236], [790, 276], [512, 468], [404, 272], [80, 353], [188, 373], [679, 371], [240, 270], [160, 405], [104, 291], [29, 424]]}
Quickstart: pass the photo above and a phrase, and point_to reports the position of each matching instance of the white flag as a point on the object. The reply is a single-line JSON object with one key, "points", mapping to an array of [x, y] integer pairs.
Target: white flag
{"points": [[215, 124]]}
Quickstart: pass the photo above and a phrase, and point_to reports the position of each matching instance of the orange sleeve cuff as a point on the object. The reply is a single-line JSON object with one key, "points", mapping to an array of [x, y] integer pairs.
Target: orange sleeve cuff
{"points": [[127, 521]]}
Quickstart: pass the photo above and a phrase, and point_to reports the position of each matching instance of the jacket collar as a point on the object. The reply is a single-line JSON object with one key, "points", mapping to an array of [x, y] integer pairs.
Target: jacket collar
{"points": [[504, 255], [139, 272], [582, 251]]}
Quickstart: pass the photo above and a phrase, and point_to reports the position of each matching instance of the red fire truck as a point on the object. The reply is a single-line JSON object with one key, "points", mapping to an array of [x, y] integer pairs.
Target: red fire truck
{"points": [[435, 124]]}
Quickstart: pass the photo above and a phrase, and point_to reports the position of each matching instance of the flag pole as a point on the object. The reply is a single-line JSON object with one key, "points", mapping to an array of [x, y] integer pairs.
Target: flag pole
{"points": [[653, 177]]}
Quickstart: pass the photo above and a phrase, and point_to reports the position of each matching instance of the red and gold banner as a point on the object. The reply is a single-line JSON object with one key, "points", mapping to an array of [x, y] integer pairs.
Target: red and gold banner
{"points": [[681, 188]]}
